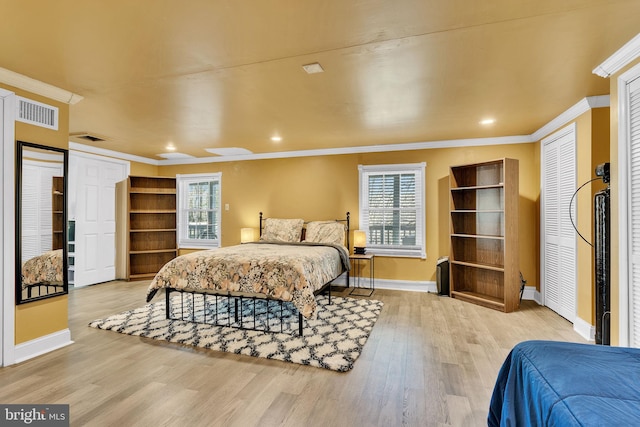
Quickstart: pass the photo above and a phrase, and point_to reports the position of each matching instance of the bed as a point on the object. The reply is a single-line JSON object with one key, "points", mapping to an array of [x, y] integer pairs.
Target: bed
{"points": [[292, 262], [547, 383], [44, 270]]}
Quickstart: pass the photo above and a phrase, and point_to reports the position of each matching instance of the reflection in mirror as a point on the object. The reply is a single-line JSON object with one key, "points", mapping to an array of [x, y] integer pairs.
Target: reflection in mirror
{"points": [[41, 222]]}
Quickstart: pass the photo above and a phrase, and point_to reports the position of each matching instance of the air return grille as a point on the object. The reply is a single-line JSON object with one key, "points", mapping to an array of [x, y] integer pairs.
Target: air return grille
{"points": [[37, 113]]}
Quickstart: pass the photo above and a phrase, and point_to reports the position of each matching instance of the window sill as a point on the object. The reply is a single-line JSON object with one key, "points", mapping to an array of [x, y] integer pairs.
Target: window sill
{"points": [[396, 253], [198, 246]]}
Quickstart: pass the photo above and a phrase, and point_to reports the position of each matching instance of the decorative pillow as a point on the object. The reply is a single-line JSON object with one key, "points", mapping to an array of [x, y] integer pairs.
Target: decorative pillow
{"points": [[282, 230], [330, 232]]}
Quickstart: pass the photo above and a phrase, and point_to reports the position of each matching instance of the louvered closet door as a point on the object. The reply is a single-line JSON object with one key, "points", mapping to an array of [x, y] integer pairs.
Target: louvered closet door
{"points": [[634, 207], [36, 209], [559, 242]]}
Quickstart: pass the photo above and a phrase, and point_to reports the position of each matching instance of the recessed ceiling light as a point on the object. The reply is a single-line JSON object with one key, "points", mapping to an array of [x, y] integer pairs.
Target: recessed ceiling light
{"points": [[170, 147], [276, 138], [487, 122], [313, 68]]}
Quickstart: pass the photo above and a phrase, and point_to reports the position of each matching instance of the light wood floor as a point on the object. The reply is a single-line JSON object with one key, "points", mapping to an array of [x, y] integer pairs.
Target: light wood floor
{"points": [[430, 361]]}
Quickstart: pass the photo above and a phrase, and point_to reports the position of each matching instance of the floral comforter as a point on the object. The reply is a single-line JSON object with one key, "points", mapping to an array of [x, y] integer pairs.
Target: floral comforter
{"points": [[282, 271], [43, 269]]}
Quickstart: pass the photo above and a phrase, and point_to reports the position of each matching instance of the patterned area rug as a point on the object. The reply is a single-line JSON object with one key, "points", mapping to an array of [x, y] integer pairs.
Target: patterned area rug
{"points": [[333, 340]]}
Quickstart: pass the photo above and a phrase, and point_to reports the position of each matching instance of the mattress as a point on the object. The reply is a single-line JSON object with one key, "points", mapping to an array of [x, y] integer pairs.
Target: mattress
{"points": [[287, 272], [547, 383]]}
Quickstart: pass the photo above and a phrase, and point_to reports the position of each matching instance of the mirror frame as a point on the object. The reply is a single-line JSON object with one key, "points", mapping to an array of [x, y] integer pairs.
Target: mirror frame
{"points": [[18, 221]]}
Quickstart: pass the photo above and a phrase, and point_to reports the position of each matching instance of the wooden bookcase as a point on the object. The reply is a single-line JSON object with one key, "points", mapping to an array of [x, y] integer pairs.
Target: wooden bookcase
{"points": [[484, 261], [145, 226], [57, 211]]}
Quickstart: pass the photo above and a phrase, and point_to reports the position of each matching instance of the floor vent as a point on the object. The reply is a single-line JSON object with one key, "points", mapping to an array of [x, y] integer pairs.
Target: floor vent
{"points": [[37, 113]]}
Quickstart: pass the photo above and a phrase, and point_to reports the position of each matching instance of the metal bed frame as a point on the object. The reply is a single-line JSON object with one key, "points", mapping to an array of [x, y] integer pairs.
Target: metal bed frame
{"points": [[228, 308], [30, 288]]}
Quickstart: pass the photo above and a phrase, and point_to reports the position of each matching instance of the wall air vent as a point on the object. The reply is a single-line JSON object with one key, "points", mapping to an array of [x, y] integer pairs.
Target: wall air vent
{"points": [[36, 113]]}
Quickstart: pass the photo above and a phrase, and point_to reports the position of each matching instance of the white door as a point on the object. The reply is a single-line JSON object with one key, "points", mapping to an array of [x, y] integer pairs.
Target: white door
{"points": [[93, 209], [559, 277], [630, 230]]}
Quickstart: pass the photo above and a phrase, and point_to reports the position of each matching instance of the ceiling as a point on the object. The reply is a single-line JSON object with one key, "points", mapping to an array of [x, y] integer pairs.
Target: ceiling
{"points": [[204, 74]]}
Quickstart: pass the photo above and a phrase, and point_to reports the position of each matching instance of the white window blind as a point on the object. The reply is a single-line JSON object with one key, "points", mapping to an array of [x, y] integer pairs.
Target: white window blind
{"points": [[392, 209], [199, 213]]}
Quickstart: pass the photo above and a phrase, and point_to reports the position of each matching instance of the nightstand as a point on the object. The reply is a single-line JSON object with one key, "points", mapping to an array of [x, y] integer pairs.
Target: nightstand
{"points": [[361, 287]]}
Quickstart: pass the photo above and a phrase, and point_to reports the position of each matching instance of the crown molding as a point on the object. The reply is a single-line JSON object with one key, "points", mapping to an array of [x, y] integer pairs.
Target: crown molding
{"points": [[472, 142], [475, 142], [599, 101], [39, 88], [110, 153], [572, 113], [567, 116], [623, 56]]}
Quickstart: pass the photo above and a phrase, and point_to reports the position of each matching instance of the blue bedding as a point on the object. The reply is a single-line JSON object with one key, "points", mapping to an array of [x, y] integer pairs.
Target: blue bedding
{"points": [[547, 383]]}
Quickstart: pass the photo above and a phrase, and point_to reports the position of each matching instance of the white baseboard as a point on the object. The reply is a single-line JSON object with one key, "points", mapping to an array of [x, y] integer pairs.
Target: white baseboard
{"points": [[395, 285], [42, 345], [585, 329], [340, 280], [530, 292], [406, 285]]}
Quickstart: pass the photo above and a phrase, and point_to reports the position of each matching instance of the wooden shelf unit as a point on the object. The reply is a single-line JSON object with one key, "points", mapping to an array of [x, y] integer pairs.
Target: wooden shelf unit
{"points": [[57, 210], [145, 226], [484, 261]]}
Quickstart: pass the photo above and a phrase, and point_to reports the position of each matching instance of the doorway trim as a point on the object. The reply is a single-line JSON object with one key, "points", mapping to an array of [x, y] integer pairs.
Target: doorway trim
{"points": [[7, 233]]}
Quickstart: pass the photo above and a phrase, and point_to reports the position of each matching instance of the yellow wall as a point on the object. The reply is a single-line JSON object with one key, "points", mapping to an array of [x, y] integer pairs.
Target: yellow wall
{"points": [[325, 187], [37, 319], [143, 169], [600, 148], [40, 318], [583, 220], [592, 149]]}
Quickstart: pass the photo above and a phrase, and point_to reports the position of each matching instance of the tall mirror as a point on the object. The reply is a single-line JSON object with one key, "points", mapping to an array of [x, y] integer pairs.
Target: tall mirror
{"points": [[41, 222]]}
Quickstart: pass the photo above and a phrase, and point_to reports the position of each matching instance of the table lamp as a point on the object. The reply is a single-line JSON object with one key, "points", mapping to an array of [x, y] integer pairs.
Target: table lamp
{"points": [[246, 235], [359, 242]]}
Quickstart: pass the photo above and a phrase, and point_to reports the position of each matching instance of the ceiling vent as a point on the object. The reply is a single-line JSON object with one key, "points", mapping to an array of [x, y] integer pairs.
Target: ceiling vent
{"points": [[87, 136], [313, 68], [36, 113]]}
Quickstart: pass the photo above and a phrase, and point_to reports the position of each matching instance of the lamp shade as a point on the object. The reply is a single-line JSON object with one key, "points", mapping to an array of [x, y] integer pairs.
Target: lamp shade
{"points": [[359, 241], [246, 235]]}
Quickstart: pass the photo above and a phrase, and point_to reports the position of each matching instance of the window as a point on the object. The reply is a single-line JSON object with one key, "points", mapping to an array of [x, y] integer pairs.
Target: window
{"points": [[199, 210], [392, 209]]}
